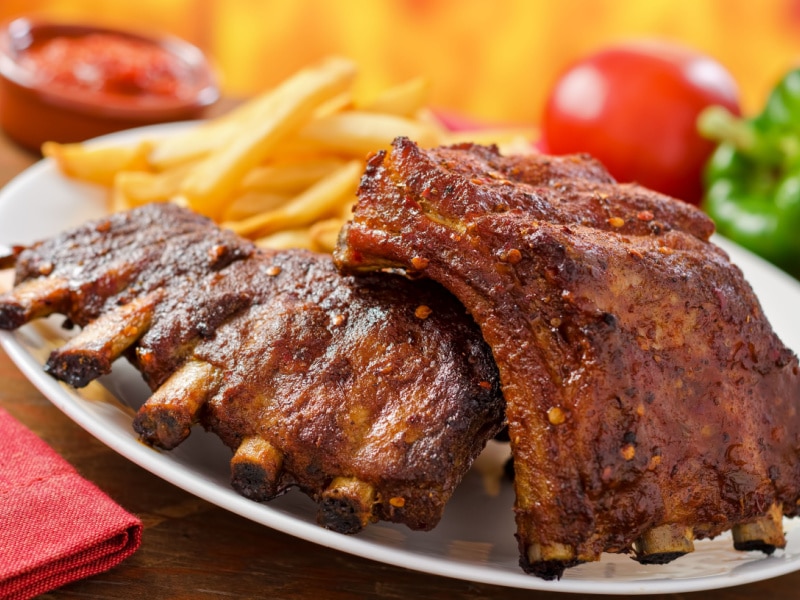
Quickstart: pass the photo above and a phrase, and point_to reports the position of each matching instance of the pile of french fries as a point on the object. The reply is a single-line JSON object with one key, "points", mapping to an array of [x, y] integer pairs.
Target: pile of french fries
{"points": [[281, 169]]}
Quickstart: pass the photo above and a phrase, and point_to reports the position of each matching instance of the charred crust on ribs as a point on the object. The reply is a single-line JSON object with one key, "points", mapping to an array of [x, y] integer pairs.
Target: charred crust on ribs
{"points": [[632, 353], [339, 386]]}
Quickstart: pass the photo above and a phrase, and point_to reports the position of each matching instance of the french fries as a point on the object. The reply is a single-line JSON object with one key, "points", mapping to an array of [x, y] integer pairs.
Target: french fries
{"points": [[281, 169], [317, 202], [355, 133], [97, 165], [404, 100]]}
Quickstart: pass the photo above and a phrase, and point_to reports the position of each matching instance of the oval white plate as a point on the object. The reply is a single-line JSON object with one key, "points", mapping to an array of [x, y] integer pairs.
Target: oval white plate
{"points": [[474, 541]]}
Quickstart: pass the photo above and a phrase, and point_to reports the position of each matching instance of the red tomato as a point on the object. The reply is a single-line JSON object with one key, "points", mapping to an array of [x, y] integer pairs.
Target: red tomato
{"points": [[634, 107]]}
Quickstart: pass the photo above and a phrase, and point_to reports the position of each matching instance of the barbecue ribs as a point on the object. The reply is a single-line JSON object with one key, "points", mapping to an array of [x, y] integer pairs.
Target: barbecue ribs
{"points": [[372, 395], [649, 402]]}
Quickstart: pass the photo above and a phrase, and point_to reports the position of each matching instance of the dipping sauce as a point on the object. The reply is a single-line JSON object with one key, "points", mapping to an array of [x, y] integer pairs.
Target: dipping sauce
{"points": [[69, 82], [109, 64]]}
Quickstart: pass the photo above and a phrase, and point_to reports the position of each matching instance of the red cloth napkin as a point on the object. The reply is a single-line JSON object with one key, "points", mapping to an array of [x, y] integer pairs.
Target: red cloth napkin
{"points": [[55, 526]]}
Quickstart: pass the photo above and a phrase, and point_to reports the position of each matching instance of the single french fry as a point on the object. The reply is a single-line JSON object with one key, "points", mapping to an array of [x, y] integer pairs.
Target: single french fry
{"points": [[324, 234], [403, 100], [289, 176], [141, 187], [252, 203], [357, 133], [320, 200], [97, 163], [288, 238], [293, 103]]}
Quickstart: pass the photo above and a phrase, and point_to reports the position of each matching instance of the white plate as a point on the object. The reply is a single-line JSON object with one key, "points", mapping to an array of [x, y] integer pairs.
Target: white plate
{"points": [[474, 541]]}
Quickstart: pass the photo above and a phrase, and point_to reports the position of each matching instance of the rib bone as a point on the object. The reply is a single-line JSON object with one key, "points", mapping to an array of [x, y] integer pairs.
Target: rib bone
{"points": [[663, 544], [33, 299], [166, 419], [764, 534], [347, 505], [91, 353], [256, 468], [549, 560]]}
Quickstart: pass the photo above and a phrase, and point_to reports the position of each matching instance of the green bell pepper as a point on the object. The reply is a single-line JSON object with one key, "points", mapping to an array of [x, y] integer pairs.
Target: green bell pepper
{"points": [[752, 180]]}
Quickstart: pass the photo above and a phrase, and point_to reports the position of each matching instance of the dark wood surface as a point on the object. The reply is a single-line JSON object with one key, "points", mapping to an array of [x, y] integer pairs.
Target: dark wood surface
{"points": [[193, 549]]}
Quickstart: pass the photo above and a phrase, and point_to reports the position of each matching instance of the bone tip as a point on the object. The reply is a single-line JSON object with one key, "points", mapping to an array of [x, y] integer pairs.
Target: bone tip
{"points": [[756, 546], [663, 544], [252, 481], [346, 505], [12, 315], [167, 418], [764, 534], [255, 469], [548, 562], [160, 428], [77, 369], [659, 558], [549, 570]]}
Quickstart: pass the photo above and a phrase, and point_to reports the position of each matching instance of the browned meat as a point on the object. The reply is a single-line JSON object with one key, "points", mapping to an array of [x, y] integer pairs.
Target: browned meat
{"points": [[117, 266], [372, 395], [649, 402]]}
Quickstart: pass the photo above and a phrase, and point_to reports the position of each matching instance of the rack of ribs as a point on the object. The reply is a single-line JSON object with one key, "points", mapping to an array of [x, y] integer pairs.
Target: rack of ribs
{"points": [[371, 395], [649, 402]]}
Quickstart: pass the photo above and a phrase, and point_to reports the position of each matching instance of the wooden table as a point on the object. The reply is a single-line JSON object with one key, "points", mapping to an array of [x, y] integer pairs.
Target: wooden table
{"points": [[193, 549]]}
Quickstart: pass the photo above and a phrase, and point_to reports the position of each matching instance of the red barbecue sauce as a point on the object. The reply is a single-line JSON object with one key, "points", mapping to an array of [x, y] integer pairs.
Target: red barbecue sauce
{"points": [[106, 63]]}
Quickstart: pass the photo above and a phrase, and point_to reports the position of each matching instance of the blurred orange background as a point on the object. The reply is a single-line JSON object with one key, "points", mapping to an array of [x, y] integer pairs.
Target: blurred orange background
{"points": [[493, 60]]}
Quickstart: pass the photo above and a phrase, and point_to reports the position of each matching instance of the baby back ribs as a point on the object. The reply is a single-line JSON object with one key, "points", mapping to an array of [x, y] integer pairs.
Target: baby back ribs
{"points": [[372, 395], [649, 402]]}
